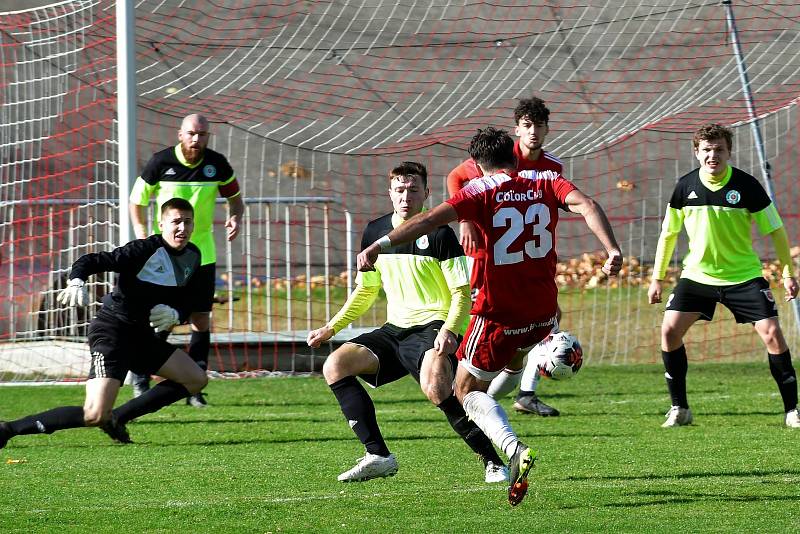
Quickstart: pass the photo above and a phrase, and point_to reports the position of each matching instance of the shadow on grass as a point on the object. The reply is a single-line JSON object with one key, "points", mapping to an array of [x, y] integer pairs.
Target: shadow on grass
{"points": [[656, 498], [691, 475]]}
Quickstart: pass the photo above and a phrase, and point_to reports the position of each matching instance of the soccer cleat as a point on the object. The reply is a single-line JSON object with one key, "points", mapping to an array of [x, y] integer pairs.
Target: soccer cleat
{"points": [[496, 473], [5, 433], [371, 466], [677, 416], [532, 404], [521, 464], [198, 400], [116, 430], [792, 421]]}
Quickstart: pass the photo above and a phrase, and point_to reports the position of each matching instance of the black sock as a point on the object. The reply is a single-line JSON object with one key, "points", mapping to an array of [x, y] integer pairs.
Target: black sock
{"points": [[525, 393], [163, 394], [199, 345], [782, 371], [469, 431], [359, 411], [49, 421], [676, 365]]}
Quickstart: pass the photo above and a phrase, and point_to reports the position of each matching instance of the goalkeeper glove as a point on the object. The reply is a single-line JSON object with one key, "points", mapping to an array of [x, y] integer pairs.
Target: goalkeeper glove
{"points": [[163, 318], [75, 294]]}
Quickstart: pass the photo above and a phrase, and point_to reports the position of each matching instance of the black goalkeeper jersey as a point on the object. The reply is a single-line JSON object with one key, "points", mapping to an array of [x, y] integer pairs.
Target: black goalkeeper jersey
{"points": [[150, 272]]}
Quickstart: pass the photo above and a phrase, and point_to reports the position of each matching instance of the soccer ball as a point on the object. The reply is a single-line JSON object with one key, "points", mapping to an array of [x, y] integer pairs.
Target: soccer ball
{"points": [[560, 356]]}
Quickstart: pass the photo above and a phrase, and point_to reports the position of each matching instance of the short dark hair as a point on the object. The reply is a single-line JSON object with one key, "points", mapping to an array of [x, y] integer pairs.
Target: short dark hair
{"points": [[410, 168], [533, 108], [177, 204], [492, 149], [707, 132]]}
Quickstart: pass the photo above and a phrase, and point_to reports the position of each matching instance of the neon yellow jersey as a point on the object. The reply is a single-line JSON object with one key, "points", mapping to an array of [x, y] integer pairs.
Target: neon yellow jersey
{"points": [[718, 219], [168, 175], [417, 277]]}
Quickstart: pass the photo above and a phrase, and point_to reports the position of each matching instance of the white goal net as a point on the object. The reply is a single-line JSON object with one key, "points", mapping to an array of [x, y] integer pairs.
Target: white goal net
{"points": [[313, 103]]}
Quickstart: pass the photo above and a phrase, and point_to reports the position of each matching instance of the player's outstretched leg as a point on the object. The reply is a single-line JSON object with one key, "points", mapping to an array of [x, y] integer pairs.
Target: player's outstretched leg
{"points": [[494, 469], [491, 418], [46, 422], [521, 464]]}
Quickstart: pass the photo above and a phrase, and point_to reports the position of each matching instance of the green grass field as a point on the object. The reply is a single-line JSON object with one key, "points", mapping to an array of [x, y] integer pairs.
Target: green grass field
{"points": [[265, 456]]}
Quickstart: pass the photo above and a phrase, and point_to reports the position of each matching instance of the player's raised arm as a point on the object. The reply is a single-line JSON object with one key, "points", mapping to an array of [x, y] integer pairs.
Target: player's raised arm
{"points": [[416, 226], [598, 223]]}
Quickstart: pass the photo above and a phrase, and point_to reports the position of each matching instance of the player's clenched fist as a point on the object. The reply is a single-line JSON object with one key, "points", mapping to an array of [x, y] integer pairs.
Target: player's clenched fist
{"points": [[366, 259], [319, 336], [613, 264]]}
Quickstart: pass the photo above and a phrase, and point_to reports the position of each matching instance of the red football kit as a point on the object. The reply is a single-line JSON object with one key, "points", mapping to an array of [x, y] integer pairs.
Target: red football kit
{"points": [[467, 170], [517, 303]]}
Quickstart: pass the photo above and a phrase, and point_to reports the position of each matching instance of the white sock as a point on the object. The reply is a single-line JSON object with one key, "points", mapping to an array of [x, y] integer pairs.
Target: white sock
{"points": [[504, 383], [530, 375], [492, 419]]}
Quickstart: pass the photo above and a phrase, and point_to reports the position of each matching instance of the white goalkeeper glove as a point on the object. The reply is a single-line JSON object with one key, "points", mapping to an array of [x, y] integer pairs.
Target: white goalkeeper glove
{"points": [[163, 318], [75, 294]]}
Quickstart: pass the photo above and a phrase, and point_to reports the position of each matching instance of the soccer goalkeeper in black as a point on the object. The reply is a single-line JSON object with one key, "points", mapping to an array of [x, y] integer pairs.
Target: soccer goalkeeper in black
{"points": [[154, 292]]}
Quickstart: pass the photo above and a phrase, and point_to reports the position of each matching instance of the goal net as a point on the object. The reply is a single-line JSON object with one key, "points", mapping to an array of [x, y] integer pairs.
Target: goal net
{"points": [[314, 102]]}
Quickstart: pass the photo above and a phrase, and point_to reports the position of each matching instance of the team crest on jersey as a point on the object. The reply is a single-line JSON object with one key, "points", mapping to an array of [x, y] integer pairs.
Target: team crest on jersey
{"points": [[733, 196], [209, 171], [422, 242]]}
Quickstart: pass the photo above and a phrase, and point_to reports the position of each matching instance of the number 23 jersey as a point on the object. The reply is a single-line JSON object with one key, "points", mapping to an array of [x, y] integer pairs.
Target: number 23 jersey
{"points": [[517, 217]]}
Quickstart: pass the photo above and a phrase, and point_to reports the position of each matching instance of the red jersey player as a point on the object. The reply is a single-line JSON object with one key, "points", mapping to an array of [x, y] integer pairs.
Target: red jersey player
{"points": [[531, 118], [517, 218]]}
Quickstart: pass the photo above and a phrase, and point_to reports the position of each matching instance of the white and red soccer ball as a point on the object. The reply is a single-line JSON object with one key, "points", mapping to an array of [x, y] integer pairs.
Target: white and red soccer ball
{"points": [[559, 356]]}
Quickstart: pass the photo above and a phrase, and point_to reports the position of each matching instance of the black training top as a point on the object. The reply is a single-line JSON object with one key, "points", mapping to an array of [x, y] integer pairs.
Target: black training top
{"points": [[150, 272]]}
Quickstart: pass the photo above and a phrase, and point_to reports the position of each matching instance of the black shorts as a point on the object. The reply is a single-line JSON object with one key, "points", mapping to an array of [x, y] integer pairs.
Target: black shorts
{"points": [[208, 275], [118, 347], [749, 301], [399, 350]]}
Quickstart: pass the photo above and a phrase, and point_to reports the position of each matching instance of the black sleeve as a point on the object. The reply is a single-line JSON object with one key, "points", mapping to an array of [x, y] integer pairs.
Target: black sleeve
{"points": [[758, 199], [368, 236], [364, 241], [678, 198], [448, 246], [227, 170], [150, 172], [119, 260]]}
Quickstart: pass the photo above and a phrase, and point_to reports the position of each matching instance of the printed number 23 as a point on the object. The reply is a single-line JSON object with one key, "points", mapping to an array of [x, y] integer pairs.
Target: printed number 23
{"points": [[536, 214]]}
